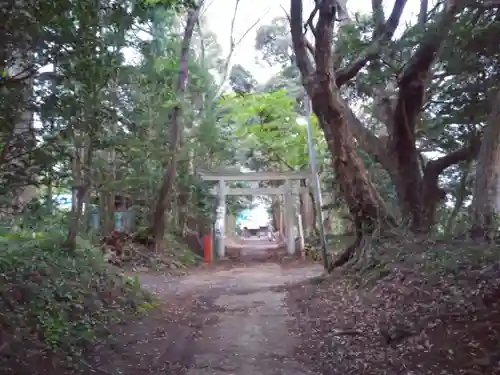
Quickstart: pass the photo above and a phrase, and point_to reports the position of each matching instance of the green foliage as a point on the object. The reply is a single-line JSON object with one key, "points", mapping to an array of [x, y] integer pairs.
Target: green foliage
{"points": [[205, 201], [171, 3], [352, 38], [268, 124], [58, 304], [273, 42]]}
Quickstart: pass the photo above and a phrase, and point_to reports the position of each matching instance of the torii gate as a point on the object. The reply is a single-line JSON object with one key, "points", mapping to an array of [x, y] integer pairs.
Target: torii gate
{"points": [[290, 190]]}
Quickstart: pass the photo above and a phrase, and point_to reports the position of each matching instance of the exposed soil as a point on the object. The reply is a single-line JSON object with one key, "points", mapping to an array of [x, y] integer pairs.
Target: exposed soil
{"points": [[226, 319]]}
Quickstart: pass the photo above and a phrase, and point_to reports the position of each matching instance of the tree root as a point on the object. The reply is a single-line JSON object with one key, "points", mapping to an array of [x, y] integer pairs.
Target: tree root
{"points": [[361, 251], [346, 255], [359, 254]]}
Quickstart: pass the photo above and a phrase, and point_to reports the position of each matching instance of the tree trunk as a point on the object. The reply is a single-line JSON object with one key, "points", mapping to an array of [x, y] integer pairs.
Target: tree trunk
{"points": [[186, 169], [418, 192], [314, 212], [364, 202], [16, 154], [417, 185], [106, 211], [460, 195], [81, 187], [275, 213], [486, 192], [158, 226]]}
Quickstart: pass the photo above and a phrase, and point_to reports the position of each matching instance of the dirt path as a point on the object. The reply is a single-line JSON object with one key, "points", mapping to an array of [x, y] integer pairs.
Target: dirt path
{"points": [[240, 318], [251, 335], [219, 321]]}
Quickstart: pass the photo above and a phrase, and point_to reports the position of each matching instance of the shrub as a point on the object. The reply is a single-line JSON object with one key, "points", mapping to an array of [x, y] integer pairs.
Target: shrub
{"points": [[55, 304]]}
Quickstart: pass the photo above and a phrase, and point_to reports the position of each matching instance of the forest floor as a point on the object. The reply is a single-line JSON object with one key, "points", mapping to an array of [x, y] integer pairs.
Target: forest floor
{"points": [[271, 318]]}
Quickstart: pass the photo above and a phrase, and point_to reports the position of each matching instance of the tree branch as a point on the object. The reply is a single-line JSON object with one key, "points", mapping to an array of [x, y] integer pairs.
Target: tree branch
{"points": [[309, 46], [378, 17], [323, 48], [480, 4], [309, 21], [205, 7], [422, 14], [414, 78], [467, 153], [303, 61], [233, 44], [424, 56], [369, 142], [372, 52]]}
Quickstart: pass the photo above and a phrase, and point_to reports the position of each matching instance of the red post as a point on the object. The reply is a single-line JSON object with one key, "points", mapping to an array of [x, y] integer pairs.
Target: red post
{"points": [[207, 248]]}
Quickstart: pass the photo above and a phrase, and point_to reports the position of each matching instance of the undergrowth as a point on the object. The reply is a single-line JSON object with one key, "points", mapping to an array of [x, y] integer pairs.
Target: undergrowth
{"points": [[404, 305], [135, 250], [55, 305], [427, 257]]}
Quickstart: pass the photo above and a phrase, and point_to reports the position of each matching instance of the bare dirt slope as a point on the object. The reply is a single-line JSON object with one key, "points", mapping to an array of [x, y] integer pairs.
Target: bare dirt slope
{"points": [[229, 320]]}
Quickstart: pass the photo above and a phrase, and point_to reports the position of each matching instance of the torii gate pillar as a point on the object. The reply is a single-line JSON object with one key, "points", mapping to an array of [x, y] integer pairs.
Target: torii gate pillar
{"points": [[221, 215], [290, 218]]}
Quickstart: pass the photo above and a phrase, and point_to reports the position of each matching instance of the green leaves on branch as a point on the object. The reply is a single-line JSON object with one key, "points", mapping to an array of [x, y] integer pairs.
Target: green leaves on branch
{"points": [[270, 123], [169, 4]]}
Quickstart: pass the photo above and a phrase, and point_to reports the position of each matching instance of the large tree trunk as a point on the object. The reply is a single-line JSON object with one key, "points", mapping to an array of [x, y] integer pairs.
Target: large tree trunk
{"points": [[363, 200], [399, 108], [418, 192], [486, 193], [157, 228]]}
